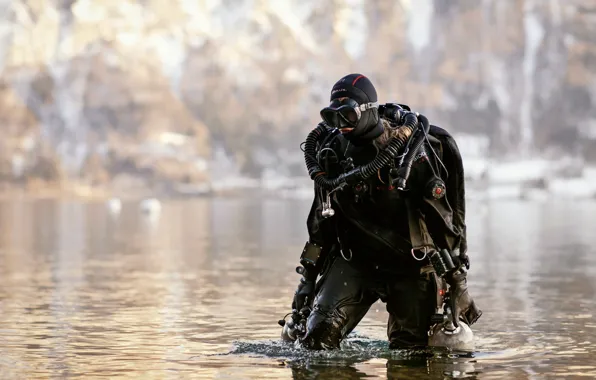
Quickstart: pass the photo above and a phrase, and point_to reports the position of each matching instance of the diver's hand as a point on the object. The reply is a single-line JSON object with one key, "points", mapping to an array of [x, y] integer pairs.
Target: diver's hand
{"points": [[304, 294], [461, 302]]}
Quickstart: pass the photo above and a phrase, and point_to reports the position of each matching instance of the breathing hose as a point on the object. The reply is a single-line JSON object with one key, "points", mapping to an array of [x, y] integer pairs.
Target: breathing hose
{"points": [[406, 167], [360, 173]]}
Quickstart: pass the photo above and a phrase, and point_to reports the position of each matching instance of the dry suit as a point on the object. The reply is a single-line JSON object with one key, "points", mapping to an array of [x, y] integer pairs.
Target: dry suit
{"points": [[377, 243]]}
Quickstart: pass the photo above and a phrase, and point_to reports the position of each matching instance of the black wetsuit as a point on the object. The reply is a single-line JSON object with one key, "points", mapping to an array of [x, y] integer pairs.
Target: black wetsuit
{"points": [[369, 243]]}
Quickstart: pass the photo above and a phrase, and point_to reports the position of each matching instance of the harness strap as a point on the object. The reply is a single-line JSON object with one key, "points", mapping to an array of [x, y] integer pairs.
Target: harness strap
{"points": [[344, 250], [422, 241], [440, 286], [419, 235]]}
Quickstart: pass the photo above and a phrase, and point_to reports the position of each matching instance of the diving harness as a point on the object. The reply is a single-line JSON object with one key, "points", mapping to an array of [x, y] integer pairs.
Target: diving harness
{"points": [[411, 133]]}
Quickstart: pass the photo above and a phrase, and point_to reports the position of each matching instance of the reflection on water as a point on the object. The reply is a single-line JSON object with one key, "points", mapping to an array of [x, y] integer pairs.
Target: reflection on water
{"points": [[197, 292]]}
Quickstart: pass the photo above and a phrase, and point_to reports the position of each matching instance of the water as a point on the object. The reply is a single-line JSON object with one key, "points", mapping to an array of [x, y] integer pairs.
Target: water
{"points": [[196, 292]]}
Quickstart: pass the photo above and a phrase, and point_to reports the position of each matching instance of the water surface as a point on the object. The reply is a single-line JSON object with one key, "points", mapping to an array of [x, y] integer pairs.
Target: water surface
{"points": [[196, 292]]}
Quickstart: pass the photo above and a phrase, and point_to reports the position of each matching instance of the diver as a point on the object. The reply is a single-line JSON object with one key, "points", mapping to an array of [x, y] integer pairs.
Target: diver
{"points": [[387, 222]]}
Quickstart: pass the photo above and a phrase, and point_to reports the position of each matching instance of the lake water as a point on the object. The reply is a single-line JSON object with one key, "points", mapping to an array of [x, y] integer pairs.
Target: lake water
{"points": [[196, 292]]}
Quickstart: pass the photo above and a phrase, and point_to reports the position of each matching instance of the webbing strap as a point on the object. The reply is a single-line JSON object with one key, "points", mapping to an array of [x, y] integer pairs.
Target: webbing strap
{"points": [[419, 235]]}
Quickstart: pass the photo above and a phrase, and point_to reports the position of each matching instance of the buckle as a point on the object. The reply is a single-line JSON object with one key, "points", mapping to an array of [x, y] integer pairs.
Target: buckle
{"points": [[365, 106]]}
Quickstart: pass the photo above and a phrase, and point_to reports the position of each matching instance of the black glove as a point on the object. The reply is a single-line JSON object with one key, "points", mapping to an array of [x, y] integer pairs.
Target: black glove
{"points": [[461, 303], [304, 294], [460, 257]]}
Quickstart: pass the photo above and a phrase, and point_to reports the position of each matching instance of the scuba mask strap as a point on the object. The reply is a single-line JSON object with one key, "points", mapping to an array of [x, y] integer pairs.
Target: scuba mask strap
{"points": [[367, 106]]}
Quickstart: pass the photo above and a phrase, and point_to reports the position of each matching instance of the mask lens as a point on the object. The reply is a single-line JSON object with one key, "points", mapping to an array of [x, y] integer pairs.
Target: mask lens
{"points": [[330, 117], [349, 114], [346, 109]]}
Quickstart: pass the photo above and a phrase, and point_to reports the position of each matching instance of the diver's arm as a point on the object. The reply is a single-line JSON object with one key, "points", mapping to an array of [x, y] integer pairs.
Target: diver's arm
{"points": [[456, 181], [320, 238], [316, 249], [445, 215], [445, 220], [448, 242]]}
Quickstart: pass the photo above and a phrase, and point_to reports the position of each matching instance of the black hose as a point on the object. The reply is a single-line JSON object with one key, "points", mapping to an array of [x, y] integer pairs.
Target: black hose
{"points": [[360, 173], [406, 167], [310, 146], [395, 145]]}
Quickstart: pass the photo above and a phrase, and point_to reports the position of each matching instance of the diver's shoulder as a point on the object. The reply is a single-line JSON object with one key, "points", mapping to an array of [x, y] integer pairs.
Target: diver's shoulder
{"points": [[437, 131]]}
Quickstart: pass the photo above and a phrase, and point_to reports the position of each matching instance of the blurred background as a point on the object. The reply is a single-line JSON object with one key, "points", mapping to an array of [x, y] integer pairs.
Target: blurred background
{"points": [[187, 117], [192, 97]]}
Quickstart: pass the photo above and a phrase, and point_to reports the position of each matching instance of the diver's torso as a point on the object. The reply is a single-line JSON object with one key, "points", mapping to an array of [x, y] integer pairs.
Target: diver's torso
{"points": [[372, 216]]}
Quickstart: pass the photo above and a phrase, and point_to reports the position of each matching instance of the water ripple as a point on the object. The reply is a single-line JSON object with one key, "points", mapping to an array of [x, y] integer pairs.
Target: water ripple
{"points": [[198, 295]]}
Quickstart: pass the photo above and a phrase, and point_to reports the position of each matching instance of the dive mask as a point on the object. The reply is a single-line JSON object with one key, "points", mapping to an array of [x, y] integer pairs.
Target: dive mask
{"points": [[345, 113]]}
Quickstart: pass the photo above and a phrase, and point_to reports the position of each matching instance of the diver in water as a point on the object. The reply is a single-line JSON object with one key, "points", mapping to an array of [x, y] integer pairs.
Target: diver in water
{"points": [[387, 222]]}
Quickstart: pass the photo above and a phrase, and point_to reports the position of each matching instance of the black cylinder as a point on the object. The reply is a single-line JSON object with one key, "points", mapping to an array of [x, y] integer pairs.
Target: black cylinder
{"points": [[406, 167], [447, 260], [438, 264]]}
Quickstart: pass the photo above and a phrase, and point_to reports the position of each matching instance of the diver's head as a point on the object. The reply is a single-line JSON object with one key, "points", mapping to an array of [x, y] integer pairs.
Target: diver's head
{"points": [[354, 109]]}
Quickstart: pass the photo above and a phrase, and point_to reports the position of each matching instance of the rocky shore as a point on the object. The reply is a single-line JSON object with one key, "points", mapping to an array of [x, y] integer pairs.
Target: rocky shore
{"points": [[120, 97]]}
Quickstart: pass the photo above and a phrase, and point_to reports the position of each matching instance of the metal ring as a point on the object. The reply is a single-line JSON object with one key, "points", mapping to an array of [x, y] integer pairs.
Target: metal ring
{"points": [[416, 258], [342, 254]]}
